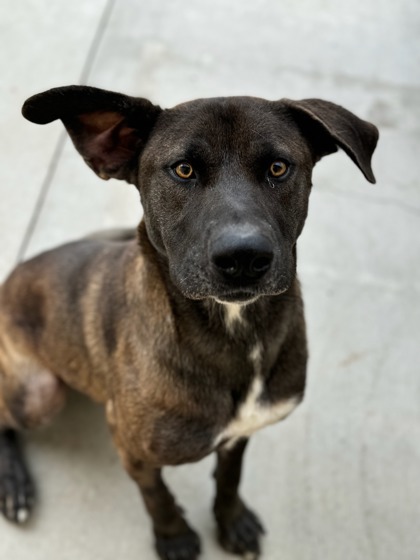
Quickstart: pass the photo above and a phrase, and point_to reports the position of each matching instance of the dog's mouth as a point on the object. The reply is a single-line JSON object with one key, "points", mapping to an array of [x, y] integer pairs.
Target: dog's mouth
{"points": [[239, 296], [201, 282], [199, 287]]}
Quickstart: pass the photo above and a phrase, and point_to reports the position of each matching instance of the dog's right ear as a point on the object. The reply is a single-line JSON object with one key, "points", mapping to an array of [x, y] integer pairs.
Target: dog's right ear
{"points": [[108, 129]]}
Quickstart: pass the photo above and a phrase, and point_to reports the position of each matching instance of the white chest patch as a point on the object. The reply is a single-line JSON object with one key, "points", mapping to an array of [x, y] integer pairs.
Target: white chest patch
{"points": [[254, 415]]}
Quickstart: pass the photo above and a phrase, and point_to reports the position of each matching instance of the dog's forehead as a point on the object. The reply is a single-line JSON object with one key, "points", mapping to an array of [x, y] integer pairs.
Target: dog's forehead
{"points": [[221, 120], [225, 107], [226, 113]]}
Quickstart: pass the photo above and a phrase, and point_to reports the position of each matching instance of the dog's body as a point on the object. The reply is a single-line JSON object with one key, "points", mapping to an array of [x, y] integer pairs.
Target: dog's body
{"points": [[192, 334]]}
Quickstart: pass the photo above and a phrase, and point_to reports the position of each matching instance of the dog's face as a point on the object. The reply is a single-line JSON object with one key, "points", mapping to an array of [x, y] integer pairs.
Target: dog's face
{"points": [[224, 182], [225, 186]]}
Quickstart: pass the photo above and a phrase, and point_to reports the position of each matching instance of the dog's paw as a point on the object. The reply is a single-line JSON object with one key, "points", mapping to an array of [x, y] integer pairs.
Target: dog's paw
{"points": [[181, 547], [241, 535], [16, 489]]}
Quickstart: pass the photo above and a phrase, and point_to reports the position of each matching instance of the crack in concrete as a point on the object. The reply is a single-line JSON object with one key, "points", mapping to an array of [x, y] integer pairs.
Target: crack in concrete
{"points": [[59, 147]]}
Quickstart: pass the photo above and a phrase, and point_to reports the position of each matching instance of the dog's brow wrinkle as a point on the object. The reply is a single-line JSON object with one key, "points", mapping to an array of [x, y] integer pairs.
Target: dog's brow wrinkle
{"points": [[258, 133], [198, 148]]}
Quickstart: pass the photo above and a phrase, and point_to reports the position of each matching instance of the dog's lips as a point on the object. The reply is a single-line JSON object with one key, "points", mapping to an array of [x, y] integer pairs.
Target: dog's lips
{"points": [[248, 294], [237, 296]]}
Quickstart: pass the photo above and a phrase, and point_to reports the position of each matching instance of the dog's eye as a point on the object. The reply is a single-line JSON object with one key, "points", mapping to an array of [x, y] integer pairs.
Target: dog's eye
{"points": [[184, 170], [278, 169]]}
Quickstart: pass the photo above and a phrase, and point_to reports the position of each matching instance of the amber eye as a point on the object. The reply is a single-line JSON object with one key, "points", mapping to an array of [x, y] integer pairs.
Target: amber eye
{"points": [[278, 168], [184, 170]]}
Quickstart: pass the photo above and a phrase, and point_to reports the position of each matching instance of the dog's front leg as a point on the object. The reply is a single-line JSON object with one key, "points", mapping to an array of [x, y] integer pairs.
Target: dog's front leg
{"points": [[16, 488], [174, 538], [239, 529]]}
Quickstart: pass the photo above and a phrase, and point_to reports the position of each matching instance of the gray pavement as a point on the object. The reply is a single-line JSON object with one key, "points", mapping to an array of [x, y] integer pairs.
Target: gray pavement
{"points": [[340, 478]]}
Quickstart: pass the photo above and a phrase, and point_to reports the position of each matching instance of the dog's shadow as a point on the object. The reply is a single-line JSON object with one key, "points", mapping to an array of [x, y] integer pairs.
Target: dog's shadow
{"points": [[80, 429], [77, 471], [73, 461]]}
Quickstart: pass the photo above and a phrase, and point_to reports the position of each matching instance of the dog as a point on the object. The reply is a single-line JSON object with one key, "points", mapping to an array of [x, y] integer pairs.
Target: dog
{"points": [[191, 330]]}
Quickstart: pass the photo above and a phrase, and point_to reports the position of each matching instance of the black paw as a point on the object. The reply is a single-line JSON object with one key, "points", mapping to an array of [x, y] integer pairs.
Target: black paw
{"points": [[181, 547], [241, 534], [16, 489]]}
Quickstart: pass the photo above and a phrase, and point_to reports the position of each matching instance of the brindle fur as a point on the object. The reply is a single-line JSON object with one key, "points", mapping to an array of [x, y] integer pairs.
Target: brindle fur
{"points": [[136, 323]]}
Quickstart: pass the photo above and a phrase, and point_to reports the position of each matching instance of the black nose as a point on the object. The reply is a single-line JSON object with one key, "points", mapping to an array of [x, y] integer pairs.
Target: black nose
{"points": [[242, 256]]}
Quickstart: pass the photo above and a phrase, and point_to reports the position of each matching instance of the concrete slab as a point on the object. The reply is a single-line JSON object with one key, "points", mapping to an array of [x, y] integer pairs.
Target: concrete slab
{"points": [[339, 479]]}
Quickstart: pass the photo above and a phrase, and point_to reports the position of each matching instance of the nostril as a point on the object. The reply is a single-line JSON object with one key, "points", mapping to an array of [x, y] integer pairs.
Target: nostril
{"points": [[228, 265], [260, 265]]}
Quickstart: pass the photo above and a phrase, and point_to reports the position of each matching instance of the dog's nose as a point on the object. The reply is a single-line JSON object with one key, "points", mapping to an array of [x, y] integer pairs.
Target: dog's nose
{"points": [[240, 256]]}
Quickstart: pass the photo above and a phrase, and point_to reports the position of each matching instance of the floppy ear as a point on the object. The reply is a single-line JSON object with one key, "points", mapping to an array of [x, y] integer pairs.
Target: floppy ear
{"points": [[108, 129], [327, 126]]}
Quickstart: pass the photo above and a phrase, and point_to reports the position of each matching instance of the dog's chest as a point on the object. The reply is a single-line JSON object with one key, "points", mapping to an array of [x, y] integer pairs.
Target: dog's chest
{"points": [[175, 438], [255, 412]]}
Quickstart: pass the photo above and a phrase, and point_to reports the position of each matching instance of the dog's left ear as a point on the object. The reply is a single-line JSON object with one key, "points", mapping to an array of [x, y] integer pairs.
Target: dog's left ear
{"points": [[327, 125], [108, 129]]}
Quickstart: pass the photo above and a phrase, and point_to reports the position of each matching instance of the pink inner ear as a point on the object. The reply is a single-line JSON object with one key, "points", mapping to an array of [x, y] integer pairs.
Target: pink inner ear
{"points": [[99, 120], [106, 142]]}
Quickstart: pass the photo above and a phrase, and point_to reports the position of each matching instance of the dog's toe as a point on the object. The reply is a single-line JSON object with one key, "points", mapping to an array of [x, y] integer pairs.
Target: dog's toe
{"points": [[181, 547], [16, 489], [242, 535]]}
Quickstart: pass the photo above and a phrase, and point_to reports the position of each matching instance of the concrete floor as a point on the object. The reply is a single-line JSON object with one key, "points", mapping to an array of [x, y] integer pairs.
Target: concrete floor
{"points": [[340, 478]]}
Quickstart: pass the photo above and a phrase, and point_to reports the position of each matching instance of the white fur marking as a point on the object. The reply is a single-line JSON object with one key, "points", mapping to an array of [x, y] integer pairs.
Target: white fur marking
{"points": [[233, 314], [254, 415], [22, 515], [255, 356]]}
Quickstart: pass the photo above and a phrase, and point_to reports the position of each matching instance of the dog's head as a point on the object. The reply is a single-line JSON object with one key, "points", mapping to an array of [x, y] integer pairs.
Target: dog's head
{"points": [[224, 182]]}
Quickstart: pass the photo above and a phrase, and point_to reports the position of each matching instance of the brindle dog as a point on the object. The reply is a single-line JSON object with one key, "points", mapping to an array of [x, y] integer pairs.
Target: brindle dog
{"points": [[192, 332]]}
